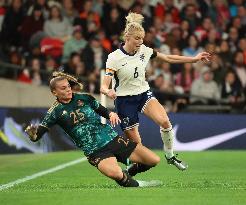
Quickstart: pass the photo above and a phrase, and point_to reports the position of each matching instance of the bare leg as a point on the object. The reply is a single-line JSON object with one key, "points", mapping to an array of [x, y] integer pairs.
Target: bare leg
{"points": [[110, 168], [143, 155], [155, 111], [133, 134], [143, 159]]}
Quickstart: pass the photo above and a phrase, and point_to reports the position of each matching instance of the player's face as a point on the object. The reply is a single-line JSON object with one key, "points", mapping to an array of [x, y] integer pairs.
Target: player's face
{"points": [[63, 91], [135, 41]]}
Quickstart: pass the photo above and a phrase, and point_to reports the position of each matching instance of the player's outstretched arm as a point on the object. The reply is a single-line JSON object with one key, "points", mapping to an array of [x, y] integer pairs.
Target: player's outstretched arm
{"points": [[105, 85], [35, 132], [111, 116], [203, 56]]}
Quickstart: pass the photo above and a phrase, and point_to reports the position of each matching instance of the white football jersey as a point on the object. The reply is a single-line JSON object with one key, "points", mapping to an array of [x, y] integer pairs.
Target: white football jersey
{"points": [[129, 76]]}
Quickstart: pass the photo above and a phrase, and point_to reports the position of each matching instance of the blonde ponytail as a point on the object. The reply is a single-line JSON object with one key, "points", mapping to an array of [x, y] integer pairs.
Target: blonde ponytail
{"points": [[134, 25]]}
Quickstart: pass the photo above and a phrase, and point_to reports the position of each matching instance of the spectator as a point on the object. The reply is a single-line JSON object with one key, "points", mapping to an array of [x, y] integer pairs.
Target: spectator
{"points": [[75, 44], [35, 71], [225, 54], [231, 90], [113, 26], [233, 39], [204, 90], [202, 31], [234, 7], [88, 19], [57, 26], [10, 32], [158, 84], [106, 43], [236, 22], [2, 13], [217, 68], [31, 25], [186, 77], [221, 13], [242, 47], [94, 55], [242, 14], [74, 61], [92, 85], [68, 11], [44, 8], [25, 77], [174, 38], [240, 68], [190, 15], [193, 47], [185, 27]]}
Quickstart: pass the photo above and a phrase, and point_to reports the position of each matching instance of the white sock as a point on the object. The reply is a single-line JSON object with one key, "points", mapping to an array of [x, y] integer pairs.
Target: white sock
{"points": [[167, 138]]}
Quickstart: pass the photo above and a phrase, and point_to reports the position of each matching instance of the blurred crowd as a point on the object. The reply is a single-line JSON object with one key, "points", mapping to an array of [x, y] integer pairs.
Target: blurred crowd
{"points": [[77, 35]]}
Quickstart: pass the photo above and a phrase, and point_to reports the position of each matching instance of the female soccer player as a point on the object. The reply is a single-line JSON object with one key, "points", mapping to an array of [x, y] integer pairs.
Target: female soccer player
{"points": [[78, 114], [131, 92]]}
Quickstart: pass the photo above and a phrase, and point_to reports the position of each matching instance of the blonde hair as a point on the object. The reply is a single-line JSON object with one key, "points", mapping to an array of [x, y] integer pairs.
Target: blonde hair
{"points": [[54, 80], [62, 76], [134, 25]]}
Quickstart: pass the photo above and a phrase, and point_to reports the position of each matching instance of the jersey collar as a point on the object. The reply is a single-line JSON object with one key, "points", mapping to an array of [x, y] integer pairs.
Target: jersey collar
{"points": [[65, 103], [124, 51]]}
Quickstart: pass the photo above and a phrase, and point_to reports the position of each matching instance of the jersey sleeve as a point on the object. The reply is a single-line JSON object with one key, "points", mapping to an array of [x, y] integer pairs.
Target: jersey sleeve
{"points": [[98, 108], [93, 102], [49, 119], [111, 62], [148, 51]]}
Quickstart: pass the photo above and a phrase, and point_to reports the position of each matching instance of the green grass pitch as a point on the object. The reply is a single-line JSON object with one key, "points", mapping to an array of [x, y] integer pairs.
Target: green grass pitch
{"points": [[213, 178]]}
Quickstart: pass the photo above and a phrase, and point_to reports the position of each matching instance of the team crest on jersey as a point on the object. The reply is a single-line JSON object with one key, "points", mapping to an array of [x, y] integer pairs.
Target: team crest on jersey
{"points": [[149, 94], [80, 103], [126, 120], [64, 112], [142, 56]]}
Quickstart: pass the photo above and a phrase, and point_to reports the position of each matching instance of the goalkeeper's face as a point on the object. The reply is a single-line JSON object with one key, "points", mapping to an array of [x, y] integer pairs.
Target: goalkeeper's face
{"points": [[63, 91]]}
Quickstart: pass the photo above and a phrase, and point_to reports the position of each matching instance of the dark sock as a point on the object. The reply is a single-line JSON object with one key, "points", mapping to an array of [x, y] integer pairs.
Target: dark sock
{"points": [[127, 181], [138, 168]]}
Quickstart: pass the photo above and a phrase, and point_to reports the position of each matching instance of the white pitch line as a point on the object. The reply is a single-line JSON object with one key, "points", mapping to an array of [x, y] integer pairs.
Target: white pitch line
{"points": [[39, 174]]}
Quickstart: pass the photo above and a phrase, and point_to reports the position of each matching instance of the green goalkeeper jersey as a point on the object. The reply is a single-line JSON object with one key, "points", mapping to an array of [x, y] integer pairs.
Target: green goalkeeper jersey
{"points": [[80, 121]]}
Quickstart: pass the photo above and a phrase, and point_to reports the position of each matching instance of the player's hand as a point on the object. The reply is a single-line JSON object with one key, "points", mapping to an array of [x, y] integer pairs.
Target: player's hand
{"points": [[112, 94], [31, 130], [203, 56], [114, 119]]}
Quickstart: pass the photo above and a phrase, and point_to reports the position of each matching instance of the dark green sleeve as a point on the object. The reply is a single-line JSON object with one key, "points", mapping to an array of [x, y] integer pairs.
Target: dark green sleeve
{"points": [[49, 119], [99, 109], [93, 102]]}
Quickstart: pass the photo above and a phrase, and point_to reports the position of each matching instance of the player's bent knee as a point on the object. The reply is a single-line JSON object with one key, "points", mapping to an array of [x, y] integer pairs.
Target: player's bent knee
{"points": [[156, 160]]}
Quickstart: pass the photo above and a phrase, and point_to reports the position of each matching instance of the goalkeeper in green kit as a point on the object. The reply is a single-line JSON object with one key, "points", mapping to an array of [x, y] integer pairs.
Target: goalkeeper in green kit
{"points": [[79, 115]]}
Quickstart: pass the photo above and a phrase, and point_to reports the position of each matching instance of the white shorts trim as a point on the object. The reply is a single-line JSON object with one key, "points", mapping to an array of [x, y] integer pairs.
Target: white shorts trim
{"points": [[145, 104], [132, 126]]}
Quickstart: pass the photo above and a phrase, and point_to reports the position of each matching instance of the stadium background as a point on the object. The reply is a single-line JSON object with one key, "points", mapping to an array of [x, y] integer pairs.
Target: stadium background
{"points": [[33, 45]]}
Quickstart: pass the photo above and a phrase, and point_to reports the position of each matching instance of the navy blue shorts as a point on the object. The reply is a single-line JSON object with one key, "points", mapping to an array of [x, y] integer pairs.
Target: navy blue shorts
{"points": [[128, 107]]}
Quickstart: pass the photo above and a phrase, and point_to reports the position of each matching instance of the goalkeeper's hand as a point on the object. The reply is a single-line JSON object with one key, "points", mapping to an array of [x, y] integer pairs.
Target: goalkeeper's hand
{"points": [[31, 130]]}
